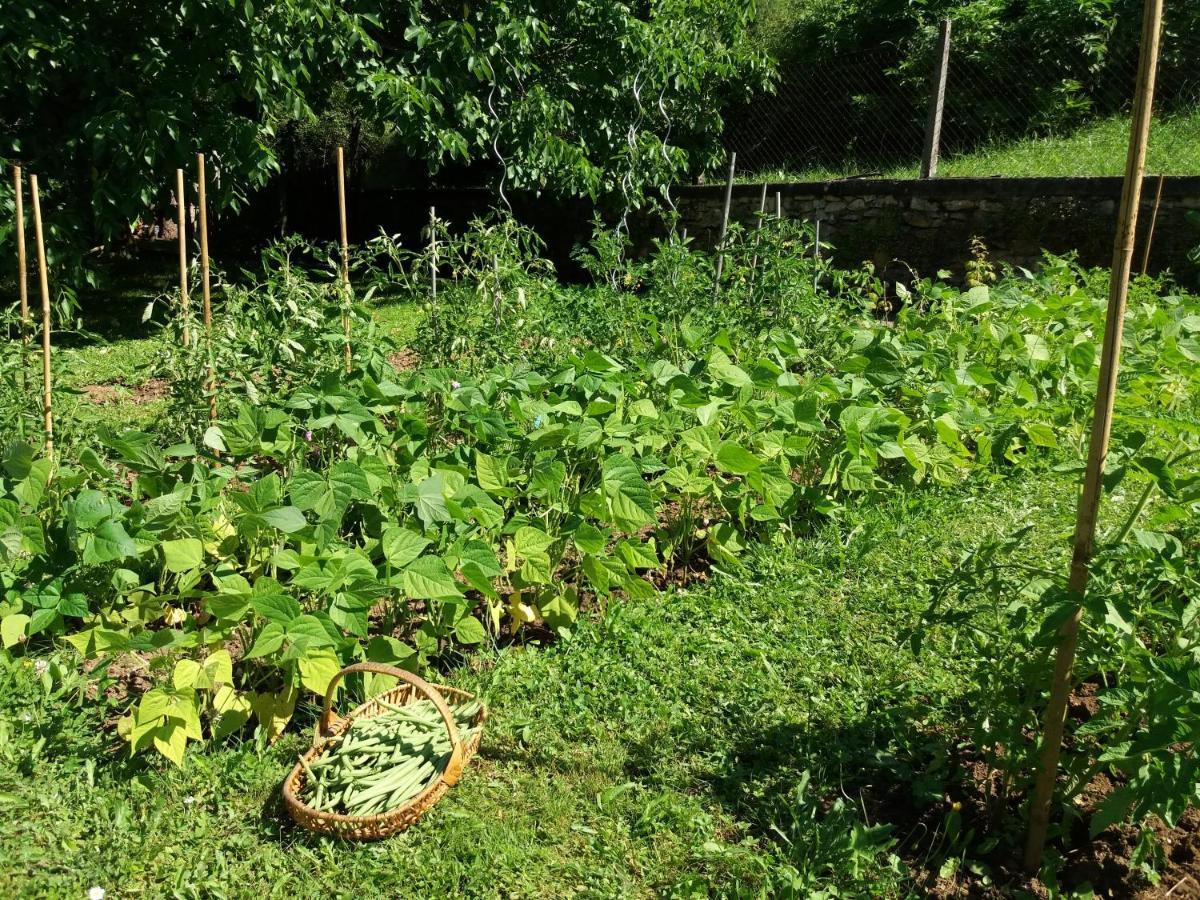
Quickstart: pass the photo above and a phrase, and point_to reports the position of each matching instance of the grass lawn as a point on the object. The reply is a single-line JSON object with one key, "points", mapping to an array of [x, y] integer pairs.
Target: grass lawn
{"points": [[664, 750], [1097, 149], [105, 375]]}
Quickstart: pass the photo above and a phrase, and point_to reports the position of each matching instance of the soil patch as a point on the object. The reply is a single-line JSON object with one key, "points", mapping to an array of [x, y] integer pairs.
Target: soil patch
{"points": [[1105, 864], [117, 392], [405, 360]]}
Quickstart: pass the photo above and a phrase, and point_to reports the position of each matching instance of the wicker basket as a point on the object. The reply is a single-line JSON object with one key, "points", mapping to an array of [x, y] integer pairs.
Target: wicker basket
{"points": [[371, 828]]}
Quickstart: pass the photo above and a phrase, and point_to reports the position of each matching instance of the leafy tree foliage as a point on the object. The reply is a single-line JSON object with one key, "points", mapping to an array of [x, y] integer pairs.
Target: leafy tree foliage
{"points": [[582, 96]]}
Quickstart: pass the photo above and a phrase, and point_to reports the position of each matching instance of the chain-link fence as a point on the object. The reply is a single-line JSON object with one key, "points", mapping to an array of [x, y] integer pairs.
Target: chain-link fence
{"points": [[1012, 113]]}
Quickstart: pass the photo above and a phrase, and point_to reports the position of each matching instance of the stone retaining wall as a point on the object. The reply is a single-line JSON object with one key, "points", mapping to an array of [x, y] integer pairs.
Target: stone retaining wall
{"points": [[928, 224], [923, 224]]}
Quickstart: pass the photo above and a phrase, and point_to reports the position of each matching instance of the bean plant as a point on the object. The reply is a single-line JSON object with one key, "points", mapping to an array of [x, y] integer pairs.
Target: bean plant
{"points": [[558, 449]]}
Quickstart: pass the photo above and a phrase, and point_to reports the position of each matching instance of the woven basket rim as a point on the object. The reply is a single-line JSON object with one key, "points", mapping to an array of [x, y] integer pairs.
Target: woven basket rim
{"points": [[346, 825]]}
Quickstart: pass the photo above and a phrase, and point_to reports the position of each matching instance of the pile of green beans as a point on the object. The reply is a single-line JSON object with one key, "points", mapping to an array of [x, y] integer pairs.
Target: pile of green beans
{"points": [[381, 762]]}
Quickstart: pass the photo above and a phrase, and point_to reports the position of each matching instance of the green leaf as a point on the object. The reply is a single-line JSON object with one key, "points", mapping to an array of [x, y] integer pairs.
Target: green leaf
{"points": [[33, 487], [628, 495], [724, 370], [109, 543], [402, 545], [430, 500], [268, 642], [427, 578], [385, 649], [170, 739], [182, 555], [469, 630], [492, 474], [589, 538], [1041, 434], [276, 607], [736, 460], [288, 519]]}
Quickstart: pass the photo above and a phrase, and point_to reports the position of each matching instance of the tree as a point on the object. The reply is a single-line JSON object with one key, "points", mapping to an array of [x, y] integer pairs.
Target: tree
{"points": [[105, 98]]}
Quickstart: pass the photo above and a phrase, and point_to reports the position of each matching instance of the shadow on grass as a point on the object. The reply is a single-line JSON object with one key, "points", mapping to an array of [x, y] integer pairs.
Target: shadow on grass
{"points": [[114, 308], [831, 800]]}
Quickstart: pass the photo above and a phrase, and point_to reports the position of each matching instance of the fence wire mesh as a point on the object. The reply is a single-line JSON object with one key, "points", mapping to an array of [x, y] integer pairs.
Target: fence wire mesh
{"points": [[1016, 113]]}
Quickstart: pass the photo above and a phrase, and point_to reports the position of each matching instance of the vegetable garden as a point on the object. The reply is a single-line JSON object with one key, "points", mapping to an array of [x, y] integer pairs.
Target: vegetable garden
{"points": [[727, 572], [557, 452]]}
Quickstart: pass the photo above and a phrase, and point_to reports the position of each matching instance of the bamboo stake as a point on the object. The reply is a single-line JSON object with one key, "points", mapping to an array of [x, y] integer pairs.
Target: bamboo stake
{"points": [[817, 254], [433, 254], [725, 223], [1153, 222], [44, 284], [211, 386], [341, 186], [22, 278], [1089, 502], [181, 202], [762, 209]]}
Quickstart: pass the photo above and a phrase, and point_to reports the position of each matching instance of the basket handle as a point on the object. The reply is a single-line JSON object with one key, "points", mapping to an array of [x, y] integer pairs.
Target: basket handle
{"points": [[455, 766]]}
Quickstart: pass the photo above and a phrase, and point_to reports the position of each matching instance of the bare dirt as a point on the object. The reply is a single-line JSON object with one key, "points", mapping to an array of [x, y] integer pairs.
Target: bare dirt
{"points": [[1105, 864], [118, 392], [405, 360]]}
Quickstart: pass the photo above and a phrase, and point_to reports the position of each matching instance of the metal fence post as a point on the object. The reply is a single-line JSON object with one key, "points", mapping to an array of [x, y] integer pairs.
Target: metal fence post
{"points": [[937, 105]]}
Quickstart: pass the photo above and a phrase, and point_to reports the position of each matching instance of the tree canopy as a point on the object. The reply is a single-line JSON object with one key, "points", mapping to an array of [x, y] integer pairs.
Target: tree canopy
{"points": [[105, 98]]}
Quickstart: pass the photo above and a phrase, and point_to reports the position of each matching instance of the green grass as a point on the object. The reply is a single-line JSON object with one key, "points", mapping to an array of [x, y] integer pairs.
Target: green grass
{"points": [[659, 752], [1096, 149], [115, 353]]}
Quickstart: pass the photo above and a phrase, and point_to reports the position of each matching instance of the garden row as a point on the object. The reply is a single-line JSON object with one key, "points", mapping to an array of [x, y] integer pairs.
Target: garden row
{"points": [[560, 446]]}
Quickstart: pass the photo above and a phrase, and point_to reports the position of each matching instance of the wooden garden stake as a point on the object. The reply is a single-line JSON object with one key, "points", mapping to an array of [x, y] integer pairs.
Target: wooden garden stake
{"points": [[1089, 502], [181, 202], [433, 254], [22, 276], [762, 211], [211, 386], [937, 105], [44, 284], [817, 253], [1153, 222], [725, 223], [341, 185]]}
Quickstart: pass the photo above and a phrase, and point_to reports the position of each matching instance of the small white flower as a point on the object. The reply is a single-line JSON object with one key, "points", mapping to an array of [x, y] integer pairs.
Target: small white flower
{"points": [[41, 666], [96, 893], [188, 801], [26, 717], [456, 385]]}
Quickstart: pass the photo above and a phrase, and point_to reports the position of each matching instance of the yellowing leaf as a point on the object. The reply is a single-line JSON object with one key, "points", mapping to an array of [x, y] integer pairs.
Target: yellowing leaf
{"points": [[274, 711], [520, 612], [12, 629], [171, 740], [233, 711], [317, 669], [217, 669]]}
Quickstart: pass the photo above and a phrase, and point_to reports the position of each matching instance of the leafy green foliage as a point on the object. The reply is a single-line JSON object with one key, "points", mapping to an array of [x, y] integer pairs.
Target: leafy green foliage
{"points": [[586, 98], [559, 448]]}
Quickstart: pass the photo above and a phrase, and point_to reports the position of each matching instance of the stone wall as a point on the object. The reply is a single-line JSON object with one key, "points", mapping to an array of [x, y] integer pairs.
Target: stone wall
{"points": [[923, 224], [927, 224]]}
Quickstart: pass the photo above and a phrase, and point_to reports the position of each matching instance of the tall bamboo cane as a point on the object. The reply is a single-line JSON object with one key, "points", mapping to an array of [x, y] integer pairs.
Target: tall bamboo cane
{"points": [[341, 186], [1093, 484], [211, 379], [1153, 222], [181, 202], [44, 284], [22, 279]]}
